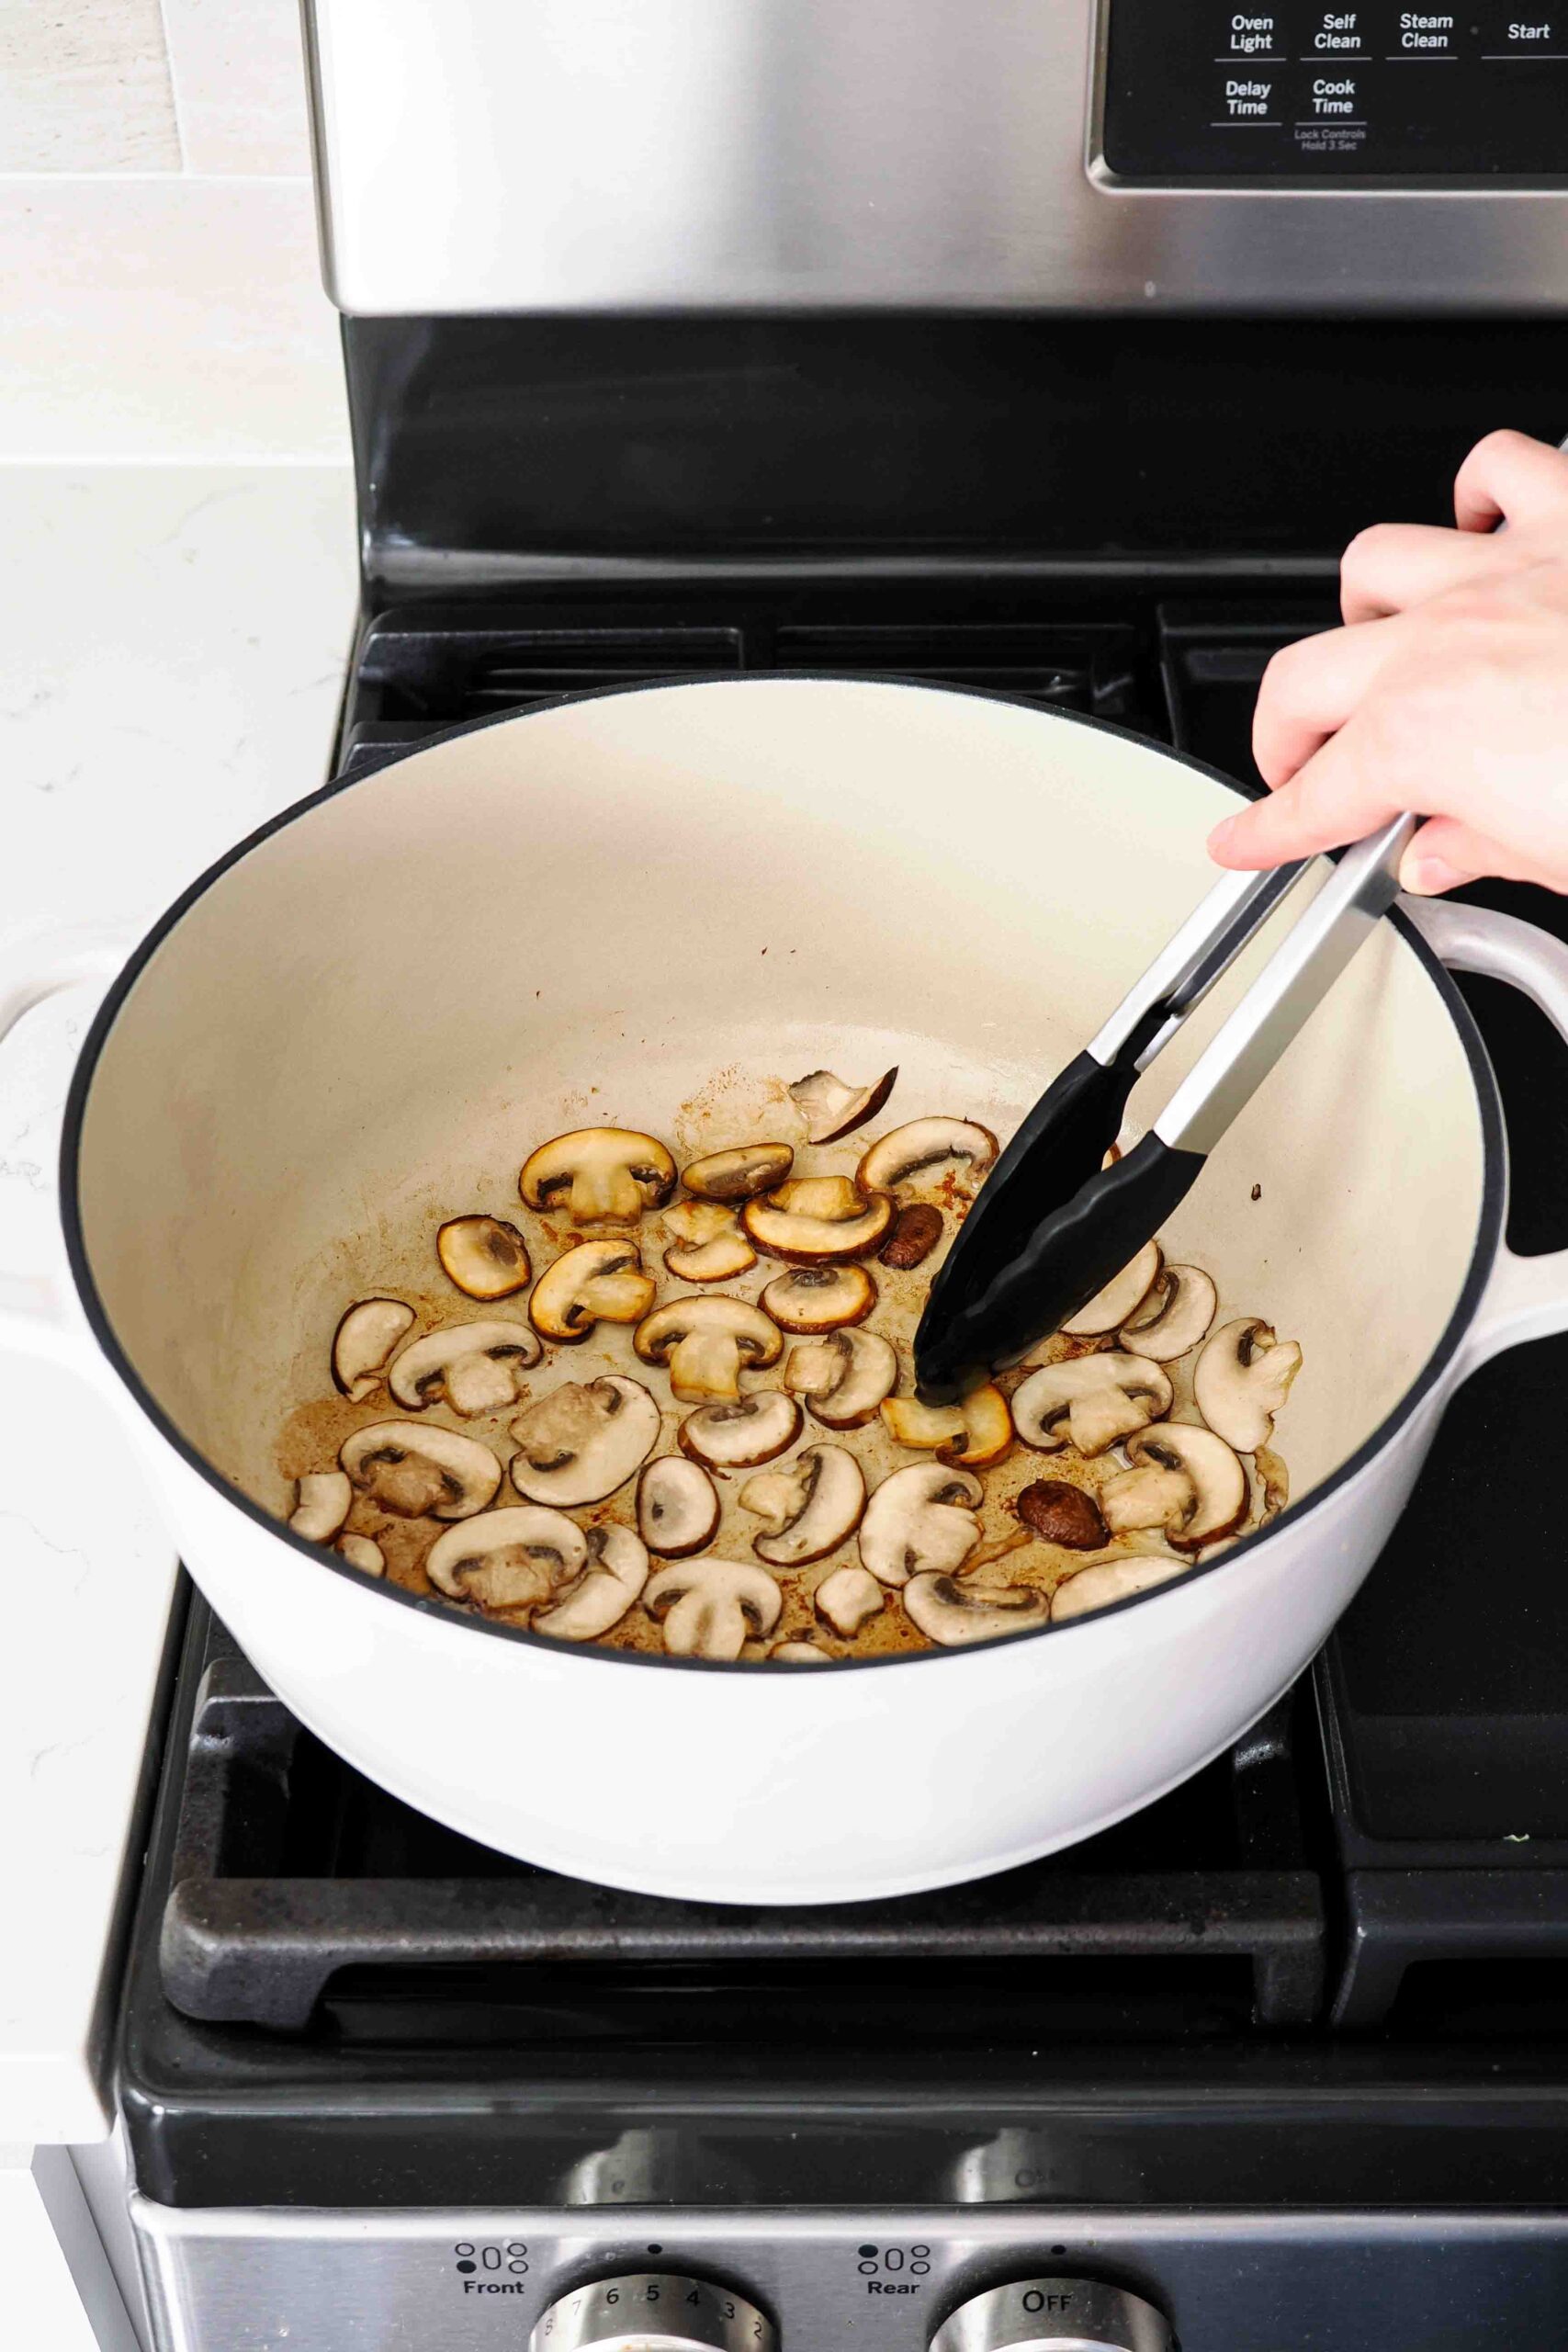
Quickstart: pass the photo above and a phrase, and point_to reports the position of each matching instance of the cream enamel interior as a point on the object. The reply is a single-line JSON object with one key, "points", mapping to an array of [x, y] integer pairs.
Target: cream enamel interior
{"points": [[690, 896]]}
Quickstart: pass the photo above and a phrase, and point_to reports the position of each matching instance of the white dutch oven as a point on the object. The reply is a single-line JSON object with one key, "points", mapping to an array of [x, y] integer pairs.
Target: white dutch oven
{"points": [[366, 1016]]}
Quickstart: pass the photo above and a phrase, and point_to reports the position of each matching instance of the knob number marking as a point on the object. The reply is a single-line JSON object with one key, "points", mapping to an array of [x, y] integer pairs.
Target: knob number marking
{"points": [[652, 2308]]}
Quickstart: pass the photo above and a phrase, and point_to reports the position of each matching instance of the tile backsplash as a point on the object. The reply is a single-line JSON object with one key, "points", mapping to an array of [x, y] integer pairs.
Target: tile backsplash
{"points": [[160, 294]]}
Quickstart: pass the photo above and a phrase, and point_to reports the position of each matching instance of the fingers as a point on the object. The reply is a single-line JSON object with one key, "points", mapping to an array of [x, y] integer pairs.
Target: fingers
{"points": [[1509, 477], [1395, 565], [1337, 797], [1308, 691], [1444, 854]]}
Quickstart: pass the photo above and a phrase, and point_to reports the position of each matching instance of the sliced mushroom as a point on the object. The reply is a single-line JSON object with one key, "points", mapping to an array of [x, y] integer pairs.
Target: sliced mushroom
{"points": [[953, 1613], [606, 1175], [1275, 1479], [708, 1607], [740, 1173], [519, 1557], [920, 1519], [810, 1507], [598, 1598], [738, 1436], [1174, 1316], [322, 1500], [1242, 1378], [473, 1367], [710, 1246], [1184, 1480], [819, 1298], [799, 1654], [976, 1432], [848, 1599], [677, 1507], [922, 1144], [1060, 1513], [916, 1232], [362, 1554], [596, 1282], [484, 1256], [831, 1109], [418, 1470], [817, 1220], [582, 1440], [1093, 1400], [363, 1345], [705, 1342], [1108, 1581], [1120, 1298], [844, 1378]]}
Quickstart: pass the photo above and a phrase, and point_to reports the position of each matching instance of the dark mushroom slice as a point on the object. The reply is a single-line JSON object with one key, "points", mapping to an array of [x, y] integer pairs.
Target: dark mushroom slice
{"points": [[514, 1560], [362, 1554], [363, 1345], [484, 1256], [976, 1433], [739, 1173], [1183, 1480], [1242, 1378], [604, 1175], [706, 1342], [1111, 1580], [953, 1613], [582, 1440], [843, 1377], [594, 1603], [1059, 1512], [920, 1519], [1121, 1299], [831, 1109], [595, 1281], [1174, 1316], [1092, 1400], [474, 1367], [916, 1232], [677, 1507], [819, 1298], [322, 1500], [817, 1220], [710, 1607], [811, 1506], [738, 1436], [924, 1144], [418, 1470], [709, 1247]]}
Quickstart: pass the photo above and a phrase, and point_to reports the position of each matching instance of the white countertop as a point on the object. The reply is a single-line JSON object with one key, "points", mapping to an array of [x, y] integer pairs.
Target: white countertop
{"points": [[169, 673]]}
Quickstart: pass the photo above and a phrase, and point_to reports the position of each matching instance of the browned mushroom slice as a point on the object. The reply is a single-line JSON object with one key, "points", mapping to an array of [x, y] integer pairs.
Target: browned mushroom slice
{"points": [[817, 1220], [322, 1500], [1174, 1316], [484, 1256], [976, 1433], [416, 1469], [1061, 1513], [916, 1232], [710, 1246], [740, 1173], [582, 1442], [831, 1109], [708, 1607], [474, 1366], [596, 1282], [1242, 1378], [924, 1144], [1108, 1581], [848, 1599], [810, 1507], [1185, 1481], [1120, 1300], [819, 1298], [953, 1613], [363, 1345], [362, 1554], [514, 1559], [677, 1507], [843, 1377], [1093, 1400], [919, 1519], [706, 1342], [604, 1175], [596, 1600], [737, 1437]]}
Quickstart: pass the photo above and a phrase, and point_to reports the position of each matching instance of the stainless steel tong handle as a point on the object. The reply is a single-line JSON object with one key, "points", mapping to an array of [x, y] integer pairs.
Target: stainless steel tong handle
{"points": [[1192, 960]]}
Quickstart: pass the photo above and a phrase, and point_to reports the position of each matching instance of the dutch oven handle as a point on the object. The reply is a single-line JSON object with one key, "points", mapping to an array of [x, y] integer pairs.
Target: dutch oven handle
{"points": [[40, 1313], [1526, 1298]]}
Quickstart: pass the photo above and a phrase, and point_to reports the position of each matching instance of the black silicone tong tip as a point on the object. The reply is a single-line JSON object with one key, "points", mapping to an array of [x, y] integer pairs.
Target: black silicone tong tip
{"points": [[1055, 1268]]}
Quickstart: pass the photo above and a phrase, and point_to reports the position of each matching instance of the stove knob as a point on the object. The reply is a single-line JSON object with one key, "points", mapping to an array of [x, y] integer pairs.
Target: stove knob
{"points": [[649, 2311], [1063, 2313]]}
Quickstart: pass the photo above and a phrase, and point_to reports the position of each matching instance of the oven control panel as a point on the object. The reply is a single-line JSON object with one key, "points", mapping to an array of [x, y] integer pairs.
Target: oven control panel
{"points": [[1280, 90]]}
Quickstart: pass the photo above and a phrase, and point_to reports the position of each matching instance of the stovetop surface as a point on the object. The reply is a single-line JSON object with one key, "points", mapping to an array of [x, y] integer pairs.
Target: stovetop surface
{"points": [[1350, 1930]]}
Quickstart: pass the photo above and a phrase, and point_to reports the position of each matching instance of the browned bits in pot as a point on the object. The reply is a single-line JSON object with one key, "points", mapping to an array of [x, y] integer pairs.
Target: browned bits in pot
{"points": [[1062, 1513], [916, 1232]]}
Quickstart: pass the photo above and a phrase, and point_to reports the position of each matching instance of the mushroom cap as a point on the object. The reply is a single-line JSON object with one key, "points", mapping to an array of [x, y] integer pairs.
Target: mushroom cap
{"points": [[843, 1377], [924, 1143], [952, 1613], [1217, 1497], [677, 1506], [417, 1469], [593, 1281], [919, 1519], [599, 1597], [1120, 1298], [1174, 1316], [473, 1367], [517, 1557], [1242, 1378], [709, 1606], [1061, 1513], [817, 1220], [739, 1173], [819, 1298], [484, 1256], [812, 1506], [582, 1440], [1111, 1580], [915, 1231], [705, 1341], [322, 1500], [709, 1245], [1101, 1398], [831, 1109], [738, 1436], [363, 1343], [847, 1599], [609, 1175], [362, 1554]]}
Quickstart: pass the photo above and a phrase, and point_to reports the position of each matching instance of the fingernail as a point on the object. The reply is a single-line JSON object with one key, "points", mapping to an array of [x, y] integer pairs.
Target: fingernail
{"points": [[1427, 877], [1223, 836]]}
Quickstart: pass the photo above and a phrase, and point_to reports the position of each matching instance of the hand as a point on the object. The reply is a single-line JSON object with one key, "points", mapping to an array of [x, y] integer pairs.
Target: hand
{"points": [[1446, 692]]}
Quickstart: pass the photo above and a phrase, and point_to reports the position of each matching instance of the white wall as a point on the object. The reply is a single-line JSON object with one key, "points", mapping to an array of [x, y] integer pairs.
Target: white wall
{"points": [[159, 289]]}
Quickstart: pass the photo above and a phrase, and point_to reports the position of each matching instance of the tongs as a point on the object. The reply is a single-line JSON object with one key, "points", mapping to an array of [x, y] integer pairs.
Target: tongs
{"points": [[1051, 1224]]}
